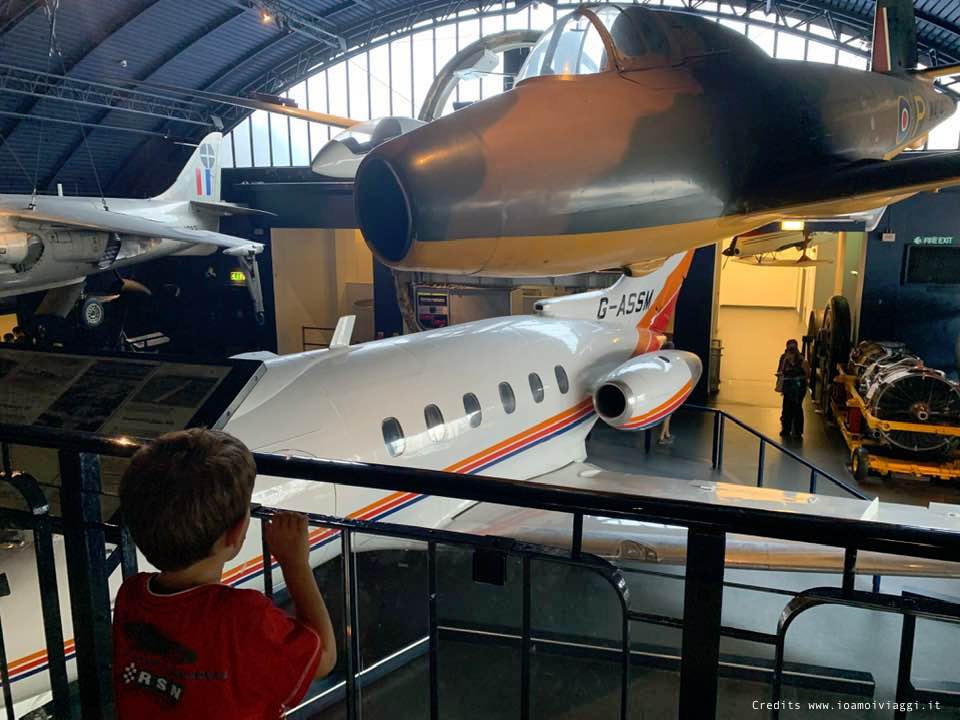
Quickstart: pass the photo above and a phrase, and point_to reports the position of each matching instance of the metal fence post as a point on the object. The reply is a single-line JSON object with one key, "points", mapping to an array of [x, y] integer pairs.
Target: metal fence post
{"points": [[525, 644], [4, 671], [720, 444], [813, 481], [905, 668], [85, 548], [350, 622], [760, 462], [702, 606], [434, 632], [716, 439]]}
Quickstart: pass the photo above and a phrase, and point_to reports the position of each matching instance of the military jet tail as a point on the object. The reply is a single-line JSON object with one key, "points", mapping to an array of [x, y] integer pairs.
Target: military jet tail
{"points": [[894, 37]]}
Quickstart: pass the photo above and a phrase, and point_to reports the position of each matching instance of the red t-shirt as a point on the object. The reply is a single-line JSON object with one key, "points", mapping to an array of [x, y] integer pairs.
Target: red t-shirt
{"points": [[208, 652]]}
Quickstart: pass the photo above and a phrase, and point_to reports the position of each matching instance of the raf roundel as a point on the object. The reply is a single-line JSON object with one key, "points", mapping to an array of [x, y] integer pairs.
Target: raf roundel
{"points": [[903, 121]]}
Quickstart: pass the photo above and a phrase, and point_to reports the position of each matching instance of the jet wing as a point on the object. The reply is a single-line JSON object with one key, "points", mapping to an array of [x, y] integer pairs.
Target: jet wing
{"points": [[629, 541], [857, 186], [90, 217]]}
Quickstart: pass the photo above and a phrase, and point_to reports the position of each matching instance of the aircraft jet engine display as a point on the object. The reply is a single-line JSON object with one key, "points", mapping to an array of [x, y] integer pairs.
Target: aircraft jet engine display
{"points": [[634, 133]]}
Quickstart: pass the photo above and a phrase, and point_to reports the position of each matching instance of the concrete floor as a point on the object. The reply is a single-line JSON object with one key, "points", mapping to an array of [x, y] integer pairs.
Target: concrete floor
{"points": [[753, 339]]}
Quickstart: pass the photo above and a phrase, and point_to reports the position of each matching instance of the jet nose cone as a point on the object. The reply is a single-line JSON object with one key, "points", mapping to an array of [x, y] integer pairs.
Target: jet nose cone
{"points": [[383, 209]]}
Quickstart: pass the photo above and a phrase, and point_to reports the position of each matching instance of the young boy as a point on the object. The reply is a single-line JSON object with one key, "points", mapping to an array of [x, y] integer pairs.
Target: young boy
{"points": [[185, 646]]}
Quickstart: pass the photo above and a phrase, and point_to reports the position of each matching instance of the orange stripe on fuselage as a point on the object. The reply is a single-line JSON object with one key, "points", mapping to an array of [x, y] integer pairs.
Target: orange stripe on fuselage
{"points": [[458, 467], [639, 419]]}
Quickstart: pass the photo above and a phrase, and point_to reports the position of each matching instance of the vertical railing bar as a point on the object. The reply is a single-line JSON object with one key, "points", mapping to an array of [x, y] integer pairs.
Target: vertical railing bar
{"points": [[716, 438], [813, 481], [702, 614], [625, 669], [876, 583], [128, 553], [720, 443], [7, 462], [849, 569], [52, 620], [85, 550], [760, 461], [905, 665], [4, 670], [434, 633], [525, 644], [577, 545], [647, 440], [350, 619], [267, 561]]}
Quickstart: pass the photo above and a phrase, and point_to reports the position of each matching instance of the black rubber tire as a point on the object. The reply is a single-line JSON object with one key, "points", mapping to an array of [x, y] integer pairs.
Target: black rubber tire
{"points": [[860, 465], [810, 348], [92, 313], [831, 348]]}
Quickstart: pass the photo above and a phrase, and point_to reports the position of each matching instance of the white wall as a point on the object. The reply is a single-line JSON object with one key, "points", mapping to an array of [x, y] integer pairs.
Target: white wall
{"points": [[752, 286]]}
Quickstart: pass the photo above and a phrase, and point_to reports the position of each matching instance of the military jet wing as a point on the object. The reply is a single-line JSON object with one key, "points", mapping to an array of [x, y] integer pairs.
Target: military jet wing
{"points": [[855, 186], [631, 541], [89, 216]]}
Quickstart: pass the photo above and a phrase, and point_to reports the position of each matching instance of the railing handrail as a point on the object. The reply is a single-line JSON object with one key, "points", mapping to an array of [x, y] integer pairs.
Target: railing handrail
{"points": [[836, 532], [782, 448]]}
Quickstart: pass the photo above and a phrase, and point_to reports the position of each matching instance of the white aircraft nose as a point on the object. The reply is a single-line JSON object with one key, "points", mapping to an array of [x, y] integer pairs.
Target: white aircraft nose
{"points": [[335, 160], [341, 157]]}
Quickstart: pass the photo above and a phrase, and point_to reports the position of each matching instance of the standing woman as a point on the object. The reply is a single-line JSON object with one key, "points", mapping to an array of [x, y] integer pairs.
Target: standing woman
{"points": [[793, 373]]}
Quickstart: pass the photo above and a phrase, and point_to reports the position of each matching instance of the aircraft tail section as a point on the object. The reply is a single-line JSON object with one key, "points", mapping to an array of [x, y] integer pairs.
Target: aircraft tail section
{"points": [[894, 37], [645, 297], [200, 178]]}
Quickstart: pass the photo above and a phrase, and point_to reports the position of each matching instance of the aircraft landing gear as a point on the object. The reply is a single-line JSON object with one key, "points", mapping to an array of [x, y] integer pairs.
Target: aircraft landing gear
{"points": [[92, 313]]}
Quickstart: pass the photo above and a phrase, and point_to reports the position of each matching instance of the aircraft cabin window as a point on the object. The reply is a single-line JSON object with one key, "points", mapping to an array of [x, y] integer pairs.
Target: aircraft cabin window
{"points": [[471, 406], [562, 382], [393, 436], [507, 398], [434, 419], [536, 387]]}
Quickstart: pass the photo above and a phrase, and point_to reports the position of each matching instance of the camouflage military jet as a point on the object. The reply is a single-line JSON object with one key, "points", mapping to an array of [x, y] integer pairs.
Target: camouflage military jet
{"points": [[635, 133]]}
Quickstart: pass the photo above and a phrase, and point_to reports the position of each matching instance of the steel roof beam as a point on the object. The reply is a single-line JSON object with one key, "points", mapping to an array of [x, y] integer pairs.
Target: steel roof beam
{"points": [[288, 16], [42, 85]]}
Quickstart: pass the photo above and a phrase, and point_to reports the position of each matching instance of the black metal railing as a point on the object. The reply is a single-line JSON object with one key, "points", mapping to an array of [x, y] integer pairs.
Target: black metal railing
{"points": [[87, 536], [721, 417]]}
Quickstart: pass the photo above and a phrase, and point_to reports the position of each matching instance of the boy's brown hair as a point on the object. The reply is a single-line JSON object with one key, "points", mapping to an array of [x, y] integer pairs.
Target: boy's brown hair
{"points": [[183, 491]]}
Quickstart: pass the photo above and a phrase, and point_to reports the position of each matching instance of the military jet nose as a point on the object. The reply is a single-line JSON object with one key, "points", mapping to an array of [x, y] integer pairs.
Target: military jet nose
{"points": [[383, 209]]}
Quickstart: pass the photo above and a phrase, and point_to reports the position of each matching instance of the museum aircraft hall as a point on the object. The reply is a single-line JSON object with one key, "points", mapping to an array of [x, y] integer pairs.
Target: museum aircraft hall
{"points": [[388, 359]]}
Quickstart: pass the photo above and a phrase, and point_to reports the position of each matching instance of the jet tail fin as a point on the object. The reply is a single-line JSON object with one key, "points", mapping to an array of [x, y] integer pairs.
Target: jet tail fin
{"points": [[200, 178], [644, 297], [894, 37]]}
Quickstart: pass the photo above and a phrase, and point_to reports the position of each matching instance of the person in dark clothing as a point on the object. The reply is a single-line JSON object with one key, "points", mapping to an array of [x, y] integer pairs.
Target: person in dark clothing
{"points": [[793, 372]]}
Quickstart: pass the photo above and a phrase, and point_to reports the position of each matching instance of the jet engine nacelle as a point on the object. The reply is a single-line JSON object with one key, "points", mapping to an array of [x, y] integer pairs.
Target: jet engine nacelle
{"points": [[14, 247], [85, 246], [646, 389]]}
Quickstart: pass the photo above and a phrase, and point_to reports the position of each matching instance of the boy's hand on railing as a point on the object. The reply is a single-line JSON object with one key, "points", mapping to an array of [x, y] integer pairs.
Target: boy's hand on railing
{"points": [[287, 538]]}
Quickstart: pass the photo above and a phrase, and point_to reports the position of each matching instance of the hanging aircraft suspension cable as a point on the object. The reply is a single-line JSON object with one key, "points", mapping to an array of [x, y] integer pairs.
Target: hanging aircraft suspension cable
{"points": [[55, 47], [51, 16]]}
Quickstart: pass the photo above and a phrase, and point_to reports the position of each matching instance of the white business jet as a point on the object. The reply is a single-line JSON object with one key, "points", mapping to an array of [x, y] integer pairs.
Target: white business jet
{"points": [[52, 242], [511, 397]]}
